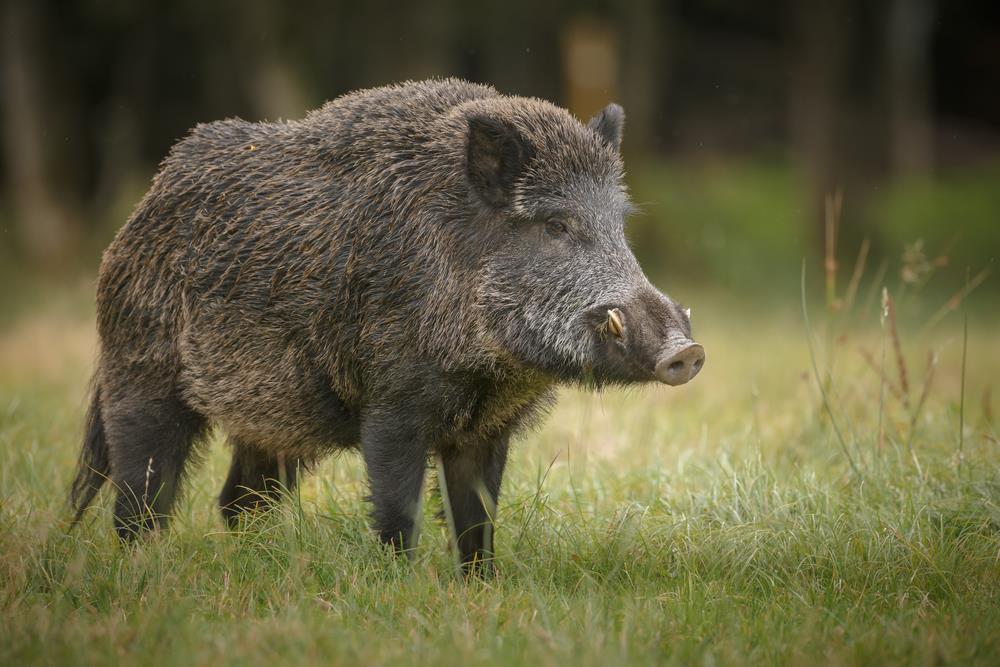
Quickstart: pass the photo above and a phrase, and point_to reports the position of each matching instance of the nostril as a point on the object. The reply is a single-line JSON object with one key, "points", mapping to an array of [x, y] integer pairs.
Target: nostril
{"points": [[680, 365]]}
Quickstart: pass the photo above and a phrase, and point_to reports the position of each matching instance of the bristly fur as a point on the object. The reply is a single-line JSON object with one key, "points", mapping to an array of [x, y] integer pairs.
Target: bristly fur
{"points": [[376, 274]]}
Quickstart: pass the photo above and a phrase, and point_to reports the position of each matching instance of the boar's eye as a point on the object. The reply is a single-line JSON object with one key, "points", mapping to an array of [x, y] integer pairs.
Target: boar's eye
{"points": [[555, 227]]}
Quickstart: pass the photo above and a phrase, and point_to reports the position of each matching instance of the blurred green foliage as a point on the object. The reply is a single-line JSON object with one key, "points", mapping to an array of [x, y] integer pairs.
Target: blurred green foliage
{"points": [[714, 222], [956, 215], [740, 226]]}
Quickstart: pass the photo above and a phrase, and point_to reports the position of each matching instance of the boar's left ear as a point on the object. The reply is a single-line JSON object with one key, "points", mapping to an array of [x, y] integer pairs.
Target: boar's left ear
{"points": [[497, 154], [608, 125]]}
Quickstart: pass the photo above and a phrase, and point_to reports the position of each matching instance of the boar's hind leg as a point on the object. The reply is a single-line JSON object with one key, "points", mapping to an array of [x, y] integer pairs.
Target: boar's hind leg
{"points": [[256, 481], [473, 476], [149, 440], [396, 460]]}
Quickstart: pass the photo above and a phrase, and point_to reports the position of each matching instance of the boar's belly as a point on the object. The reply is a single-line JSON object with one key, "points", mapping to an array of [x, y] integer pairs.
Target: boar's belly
{"points": [[265, 389]]}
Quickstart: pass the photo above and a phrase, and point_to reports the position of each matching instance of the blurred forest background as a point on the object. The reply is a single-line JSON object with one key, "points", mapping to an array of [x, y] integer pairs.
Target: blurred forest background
{"points": [[742, 116]]}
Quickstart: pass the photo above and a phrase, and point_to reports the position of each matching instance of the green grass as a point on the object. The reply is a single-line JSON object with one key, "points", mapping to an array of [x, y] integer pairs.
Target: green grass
{"points": [[717, 523]]}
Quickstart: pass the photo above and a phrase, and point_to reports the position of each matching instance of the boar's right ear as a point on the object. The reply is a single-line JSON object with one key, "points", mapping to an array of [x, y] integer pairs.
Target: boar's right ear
{"points": [[496, 154]]}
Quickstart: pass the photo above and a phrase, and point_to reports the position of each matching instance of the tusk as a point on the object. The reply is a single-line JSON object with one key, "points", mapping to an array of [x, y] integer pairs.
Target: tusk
{"points": [[615, 322], [687, 313]]}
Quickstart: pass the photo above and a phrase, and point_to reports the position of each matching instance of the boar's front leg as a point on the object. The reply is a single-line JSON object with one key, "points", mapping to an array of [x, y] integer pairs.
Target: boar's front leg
{"points": [[396, 458], [473, 475]]}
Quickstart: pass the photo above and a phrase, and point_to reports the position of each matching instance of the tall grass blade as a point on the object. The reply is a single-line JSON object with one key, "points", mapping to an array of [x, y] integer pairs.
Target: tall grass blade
{"points": [[880, 436], [819, 380], [449, 516], [961, 394]]}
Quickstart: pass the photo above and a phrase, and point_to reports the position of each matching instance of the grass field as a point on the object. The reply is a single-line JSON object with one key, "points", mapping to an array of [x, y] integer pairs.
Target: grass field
{"points": [[717, 523]]}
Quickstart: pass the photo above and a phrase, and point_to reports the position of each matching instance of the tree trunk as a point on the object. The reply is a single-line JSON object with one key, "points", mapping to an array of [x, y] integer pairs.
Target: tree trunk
{"points": [[908, 55], [818, 68], [41, 225], [643, 72]]}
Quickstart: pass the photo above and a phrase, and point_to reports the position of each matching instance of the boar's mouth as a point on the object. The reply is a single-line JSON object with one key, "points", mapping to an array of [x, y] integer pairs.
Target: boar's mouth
{"points": [[631, 353], [613, 334]]}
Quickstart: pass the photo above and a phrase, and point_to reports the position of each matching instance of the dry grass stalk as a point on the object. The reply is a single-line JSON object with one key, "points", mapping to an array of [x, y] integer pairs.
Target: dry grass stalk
{"points": [[832, 222], [884, 380], [873, 290], [819, 380], [953, 303], [988, 406], [859, 269], [897, 350], [879, 371]]}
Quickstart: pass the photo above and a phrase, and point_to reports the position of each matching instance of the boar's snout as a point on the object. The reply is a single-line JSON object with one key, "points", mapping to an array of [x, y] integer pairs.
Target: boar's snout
{"points": [[680, 362], [648, 338]]}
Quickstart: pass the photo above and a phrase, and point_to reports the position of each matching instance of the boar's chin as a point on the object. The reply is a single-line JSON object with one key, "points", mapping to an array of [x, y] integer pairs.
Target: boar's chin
{"points": [[593, 365]]}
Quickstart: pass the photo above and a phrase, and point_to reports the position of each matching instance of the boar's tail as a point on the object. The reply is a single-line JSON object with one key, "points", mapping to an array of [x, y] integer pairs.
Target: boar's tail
{"points": [[92, 467]]}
